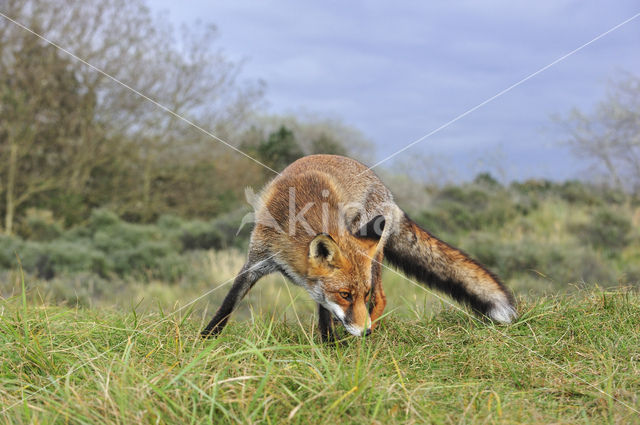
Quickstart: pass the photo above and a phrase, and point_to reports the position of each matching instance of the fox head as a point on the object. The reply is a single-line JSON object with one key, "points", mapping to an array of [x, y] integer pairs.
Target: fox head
{"points": [[339, 276]]}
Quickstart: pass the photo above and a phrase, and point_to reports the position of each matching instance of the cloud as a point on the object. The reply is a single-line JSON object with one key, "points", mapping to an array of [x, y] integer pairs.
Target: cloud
{"points": [[398, 71]]}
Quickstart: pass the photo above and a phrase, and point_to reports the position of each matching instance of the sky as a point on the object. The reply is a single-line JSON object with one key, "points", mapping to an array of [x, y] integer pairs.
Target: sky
{"points": [[399, 70]]}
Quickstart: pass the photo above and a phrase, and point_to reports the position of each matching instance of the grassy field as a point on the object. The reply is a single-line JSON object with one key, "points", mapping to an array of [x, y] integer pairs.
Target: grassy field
{"points": [[564, 361]]}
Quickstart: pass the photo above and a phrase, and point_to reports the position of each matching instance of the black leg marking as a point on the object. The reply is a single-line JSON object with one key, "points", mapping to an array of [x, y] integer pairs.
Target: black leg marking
{"points": [[248, 276], [325, 324]]}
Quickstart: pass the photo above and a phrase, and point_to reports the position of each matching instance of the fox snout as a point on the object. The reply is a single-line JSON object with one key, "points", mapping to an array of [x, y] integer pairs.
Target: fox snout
{"points": [[354, 318], [350, 323], [357, 331]]}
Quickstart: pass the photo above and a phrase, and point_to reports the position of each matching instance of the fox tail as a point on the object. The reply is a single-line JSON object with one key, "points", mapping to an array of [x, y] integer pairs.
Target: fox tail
{"points": [[436, 264]]}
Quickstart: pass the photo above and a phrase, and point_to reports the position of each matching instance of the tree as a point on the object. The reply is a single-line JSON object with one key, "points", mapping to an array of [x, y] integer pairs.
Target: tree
{"points": [[315, 135], [610, 135], [44, 113], [118, 148], [280, 149], [328, 145]]}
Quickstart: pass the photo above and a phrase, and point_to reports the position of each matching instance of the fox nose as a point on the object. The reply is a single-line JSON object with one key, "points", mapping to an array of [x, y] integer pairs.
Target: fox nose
{"points": [[368, 332]]}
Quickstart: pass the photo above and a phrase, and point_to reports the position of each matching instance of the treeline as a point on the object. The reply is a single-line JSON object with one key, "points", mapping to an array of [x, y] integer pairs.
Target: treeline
{"points": [[73, 140]]}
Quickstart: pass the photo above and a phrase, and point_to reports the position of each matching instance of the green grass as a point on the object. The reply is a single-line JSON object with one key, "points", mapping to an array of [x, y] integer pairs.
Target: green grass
{"points": [[82, 365]]}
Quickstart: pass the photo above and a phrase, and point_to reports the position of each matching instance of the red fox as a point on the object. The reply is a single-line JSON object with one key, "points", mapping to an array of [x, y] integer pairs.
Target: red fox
{"points": [[326, 223]]}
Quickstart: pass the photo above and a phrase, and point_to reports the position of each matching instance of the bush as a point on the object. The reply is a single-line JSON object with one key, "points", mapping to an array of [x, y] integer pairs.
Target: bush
{"points": [[14, 252], [9, 246], [228, 225], [170, 223], [200, 235], [486, 180], [576, 192], [220, 233], [448, 217], [560, 263], [468, 195], [106, 246], [606, 229], [145, 258], [39, 225], [101, 218], [461, 209], [67, 257], [533, 187], [494, 223]]}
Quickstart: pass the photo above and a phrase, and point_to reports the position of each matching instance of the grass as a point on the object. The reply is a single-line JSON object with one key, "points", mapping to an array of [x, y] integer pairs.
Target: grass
{"points": [[109, 366]]}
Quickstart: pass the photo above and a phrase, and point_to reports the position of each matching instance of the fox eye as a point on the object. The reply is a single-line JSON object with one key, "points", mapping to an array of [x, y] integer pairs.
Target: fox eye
{"points": [[345, 295]]}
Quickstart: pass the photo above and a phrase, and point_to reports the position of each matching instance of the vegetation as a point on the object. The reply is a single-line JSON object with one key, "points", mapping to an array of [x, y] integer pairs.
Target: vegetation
{"points": [[539, 237], [555, 365]]}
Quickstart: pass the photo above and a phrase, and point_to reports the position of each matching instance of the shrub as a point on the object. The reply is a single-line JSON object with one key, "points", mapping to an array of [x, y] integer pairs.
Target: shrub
{"points": [[101, 218], [468, 195], [200, 235], [220, 233], [606, 229], [533, 187], [39, 225], [458, 210], [171, 267], [29, 254], [487, 180], [69, 257], [9, 246], [170, 223], [143, 259], [228, 225], [560, 263], [106, 246], [576, 192]]}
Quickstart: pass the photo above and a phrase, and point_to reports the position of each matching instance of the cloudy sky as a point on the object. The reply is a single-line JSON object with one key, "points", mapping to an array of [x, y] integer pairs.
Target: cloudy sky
{"points": [[399, 70]]}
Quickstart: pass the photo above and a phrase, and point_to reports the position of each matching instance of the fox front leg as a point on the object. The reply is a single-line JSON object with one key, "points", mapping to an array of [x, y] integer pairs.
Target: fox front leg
{"points": [[325, 324], [378, 300], [248, 276]]}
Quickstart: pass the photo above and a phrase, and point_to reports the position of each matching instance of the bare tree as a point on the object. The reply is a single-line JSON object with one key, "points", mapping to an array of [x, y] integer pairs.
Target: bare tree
{"points": [[610, 135]]}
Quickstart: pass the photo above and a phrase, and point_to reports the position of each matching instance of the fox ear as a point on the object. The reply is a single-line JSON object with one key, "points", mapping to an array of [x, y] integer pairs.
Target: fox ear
{"points": [[373, 229], [323, 250]]}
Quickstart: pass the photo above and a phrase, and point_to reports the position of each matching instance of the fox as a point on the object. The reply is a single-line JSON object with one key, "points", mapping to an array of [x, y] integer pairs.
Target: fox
{"points": [[326, 223]]}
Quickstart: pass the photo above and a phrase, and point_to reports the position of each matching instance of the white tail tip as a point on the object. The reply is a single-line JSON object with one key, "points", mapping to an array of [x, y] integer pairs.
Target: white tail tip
{"points": [[503, 313]]}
